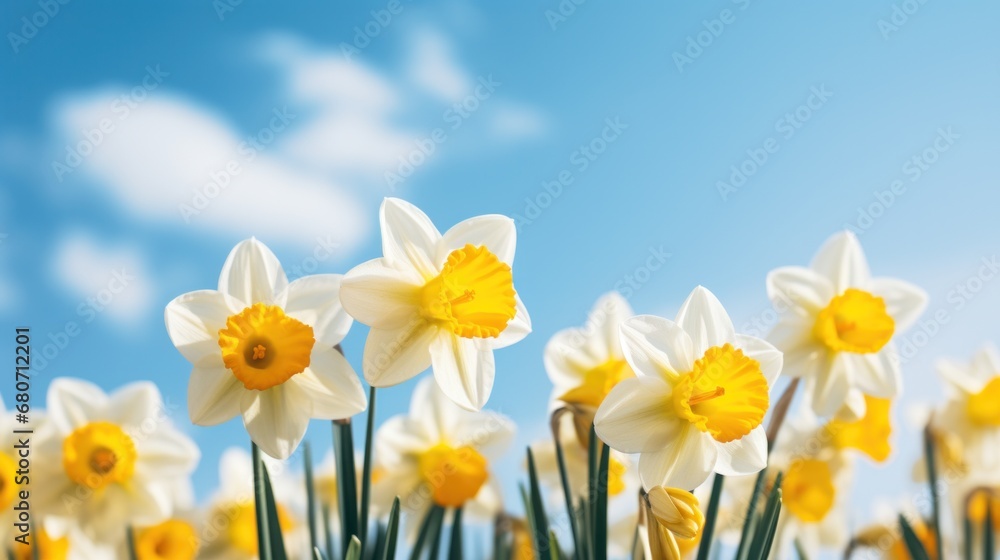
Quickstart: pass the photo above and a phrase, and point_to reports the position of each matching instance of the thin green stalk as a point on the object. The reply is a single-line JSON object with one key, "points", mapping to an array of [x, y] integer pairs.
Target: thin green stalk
{"points": [[708, 533], [932, 482], [129, 543], [366, 470], [328, 531], [539, 518], [310, 495], [455, 548], [392, 532], [343, 446], [260, 506], [913, 544], [433, 516], [988, 547], [748, 523], [600, 528], [592, 465], [564, 478], [436, 537]]}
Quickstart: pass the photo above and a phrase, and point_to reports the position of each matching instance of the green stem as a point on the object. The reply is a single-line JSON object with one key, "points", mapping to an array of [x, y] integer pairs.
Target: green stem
{"points": [[710, 516]]}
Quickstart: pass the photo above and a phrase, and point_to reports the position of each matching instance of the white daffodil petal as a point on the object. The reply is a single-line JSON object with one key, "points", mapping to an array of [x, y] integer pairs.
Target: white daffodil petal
{"points": [[315, 301], [903, 301], [380, 295], [799, 290], [166, 454], [464, 369], [986, 363], [330, 386], [854, 407], [657, 347], [493, 231], [804, 362], [398, 437], [568, 357], [409, 238], [768, 356], [275, 422], [136, 405], [706, 321], [491, 433], [686, 462], [394, 355], [193, 323], [637, 416], [73, 403], [606, 318], [876, 374], [214, 395], [829, 387], [518, 327], [793, 333], [746, 455], [959, 377], [842, 260], [252, 274], [433, 410]]}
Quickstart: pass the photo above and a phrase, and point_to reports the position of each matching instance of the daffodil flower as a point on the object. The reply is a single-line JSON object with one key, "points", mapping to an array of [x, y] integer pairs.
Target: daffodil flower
{"points": [[674, 522], [264, 349], [174, 539], [445, 301], [441, 454], [111, 461], [837, 326], [972, 412], [699, 399], [585, 363]]}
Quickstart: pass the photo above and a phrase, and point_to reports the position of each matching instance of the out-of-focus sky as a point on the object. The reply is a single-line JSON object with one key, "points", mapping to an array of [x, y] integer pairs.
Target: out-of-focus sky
{"points": [[139, 143]]}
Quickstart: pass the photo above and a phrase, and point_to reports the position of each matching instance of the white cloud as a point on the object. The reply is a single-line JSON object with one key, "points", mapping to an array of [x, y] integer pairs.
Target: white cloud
{"points": [[170, 160], [107, 280], [434, 69], [513, 121]]}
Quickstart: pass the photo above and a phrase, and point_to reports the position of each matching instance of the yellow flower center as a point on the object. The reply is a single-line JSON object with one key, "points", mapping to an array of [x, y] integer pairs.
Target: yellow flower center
{"points": [[855, 321], [725, 394], [242, 531], [454, 475], [99, 454], [48, 548], [8, 490], [171, 540], [473, 296], [983, 408], [807, 490], [598, 382], [263, 347], [870, 435]]}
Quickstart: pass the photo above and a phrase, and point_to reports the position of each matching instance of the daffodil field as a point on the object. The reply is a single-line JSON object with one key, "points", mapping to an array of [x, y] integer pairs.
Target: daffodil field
{"points": [[671, 438]]}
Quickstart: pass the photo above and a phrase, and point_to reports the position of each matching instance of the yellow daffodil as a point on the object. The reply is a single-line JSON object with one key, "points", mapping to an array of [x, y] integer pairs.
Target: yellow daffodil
{"points": [[111, 460], [869, 434], [585, 363], [445, 301], [699, 400], [837, 325], [972, 412], [441, 454], [674, 522], [264, 349], [230, 526]]}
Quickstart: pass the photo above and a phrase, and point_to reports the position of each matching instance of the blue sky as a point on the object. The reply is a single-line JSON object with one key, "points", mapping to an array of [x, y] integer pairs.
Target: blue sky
{"points": [[643, 112]]}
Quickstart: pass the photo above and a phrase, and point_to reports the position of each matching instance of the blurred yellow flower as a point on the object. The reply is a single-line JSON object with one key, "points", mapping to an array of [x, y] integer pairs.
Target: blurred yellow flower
{"points": [[263, 348], [174, 539], [837, 324], [870, 434], [699, 400], [445, 301], [970, 413]]}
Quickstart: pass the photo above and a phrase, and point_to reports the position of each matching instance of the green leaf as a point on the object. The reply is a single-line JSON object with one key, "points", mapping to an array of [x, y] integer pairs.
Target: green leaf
{"points": [[310, 495], [593, 458], [708, 533], [539, 519], [969, 533], [749, 524], [328, 531], [436, 537], [913, 544], [800, 550], [579, 547], [366, 469], [276, 539], [433, 517], [347, 480], [761, 549], [988, 547], [317, 555], [353, 549], [129, 544], [260, 506], [929, 460], [600, 527], [392, 532], [455, 549], [555, 553]]}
